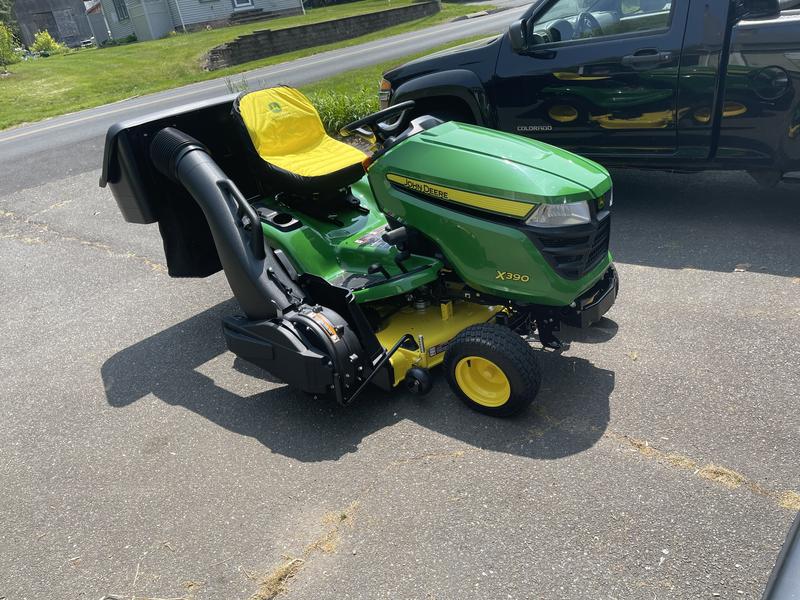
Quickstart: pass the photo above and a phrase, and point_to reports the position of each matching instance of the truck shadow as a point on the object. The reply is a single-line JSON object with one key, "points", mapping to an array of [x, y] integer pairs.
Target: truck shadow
{"points": [[571, 415], [711, 221]]}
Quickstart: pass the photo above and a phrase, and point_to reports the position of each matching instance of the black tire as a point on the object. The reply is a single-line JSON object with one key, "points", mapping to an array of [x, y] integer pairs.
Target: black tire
{"points": [[451, 115], [446, 109], [508, 353]]}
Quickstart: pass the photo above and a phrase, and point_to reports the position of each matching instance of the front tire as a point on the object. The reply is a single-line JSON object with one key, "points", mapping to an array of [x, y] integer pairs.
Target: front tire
{"points": [[492, 370]]}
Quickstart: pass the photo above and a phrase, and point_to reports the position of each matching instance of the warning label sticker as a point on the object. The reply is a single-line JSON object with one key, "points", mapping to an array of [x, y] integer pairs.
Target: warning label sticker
{"points": [[373, 239], [438, 349]]}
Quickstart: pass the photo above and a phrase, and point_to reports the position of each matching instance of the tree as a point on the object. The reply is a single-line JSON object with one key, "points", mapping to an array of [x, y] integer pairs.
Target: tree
{"points": [[7, 16]]}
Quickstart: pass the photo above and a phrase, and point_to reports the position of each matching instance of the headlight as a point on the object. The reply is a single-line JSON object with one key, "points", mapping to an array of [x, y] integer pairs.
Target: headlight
{"points": [[560, 215], [605, 202], [385, 93]]}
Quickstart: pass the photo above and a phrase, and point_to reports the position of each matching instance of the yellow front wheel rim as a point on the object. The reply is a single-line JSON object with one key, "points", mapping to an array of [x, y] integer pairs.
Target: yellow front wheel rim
{"points": [[482, 381], [563, 113]]}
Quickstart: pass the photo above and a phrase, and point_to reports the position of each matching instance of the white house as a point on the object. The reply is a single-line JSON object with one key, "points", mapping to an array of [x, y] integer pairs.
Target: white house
{"points": [[152, 19]]}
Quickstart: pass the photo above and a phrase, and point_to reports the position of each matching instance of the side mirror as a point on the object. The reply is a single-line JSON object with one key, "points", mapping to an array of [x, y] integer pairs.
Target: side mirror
{"points": [[517, 33]]}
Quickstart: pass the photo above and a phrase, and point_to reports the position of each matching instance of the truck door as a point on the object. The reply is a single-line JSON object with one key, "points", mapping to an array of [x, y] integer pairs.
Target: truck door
{"points": [[599, 77]]}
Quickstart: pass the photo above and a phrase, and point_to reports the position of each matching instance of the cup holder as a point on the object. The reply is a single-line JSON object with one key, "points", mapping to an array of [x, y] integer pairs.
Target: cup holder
{"points": [[280, 220]]}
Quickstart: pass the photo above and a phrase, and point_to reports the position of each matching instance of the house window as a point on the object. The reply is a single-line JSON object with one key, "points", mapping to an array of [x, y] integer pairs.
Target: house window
{"points": [[122, 10]]}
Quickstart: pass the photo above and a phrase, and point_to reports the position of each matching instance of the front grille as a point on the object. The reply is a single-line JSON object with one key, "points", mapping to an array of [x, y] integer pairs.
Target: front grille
{"points": [[574, 251], [600, 243]]}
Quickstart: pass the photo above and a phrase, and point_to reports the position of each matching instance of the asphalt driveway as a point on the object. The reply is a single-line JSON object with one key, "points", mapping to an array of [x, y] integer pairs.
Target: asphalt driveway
{"points": [[139, 459]]}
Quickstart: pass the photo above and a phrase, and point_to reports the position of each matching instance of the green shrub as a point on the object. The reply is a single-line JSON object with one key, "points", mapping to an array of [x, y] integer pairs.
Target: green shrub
{"points": [[337, 109], [45, 44], [128, 39], [8, 47]]}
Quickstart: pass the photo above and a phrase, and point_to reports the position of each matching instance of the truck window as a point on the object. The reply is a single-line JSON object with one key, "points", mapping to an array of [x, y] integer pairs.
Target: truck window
{"points": [[576, 20]]}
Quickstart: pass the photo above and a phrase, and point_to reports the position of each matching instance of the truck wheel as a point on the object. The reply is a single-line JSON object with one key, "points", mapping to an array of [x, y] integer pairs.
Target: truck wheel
{"points": [[766, 178], [492, 370], [452, 115]]}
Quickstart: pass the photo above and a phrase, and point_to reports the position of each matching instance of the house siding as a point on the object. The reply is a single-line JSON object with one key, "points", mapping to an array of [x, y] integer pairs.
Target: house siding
{"points": [[176, 16], [119, 29], [277, 5], [209, 11], [151, 18], [65, 20], [98, 25], [195, 13]]}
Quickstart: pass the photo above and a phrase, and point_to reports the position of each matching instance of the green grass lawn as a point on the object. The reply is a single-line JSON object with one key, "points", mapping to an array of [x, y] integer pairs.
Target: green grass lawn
{"points": [[46, 87]]}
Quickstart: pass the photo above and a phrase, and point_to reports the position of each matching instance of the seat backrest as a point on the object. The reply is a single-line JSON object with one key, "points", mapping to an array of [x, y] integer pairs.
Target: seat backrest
{"points": [[280, 121]]}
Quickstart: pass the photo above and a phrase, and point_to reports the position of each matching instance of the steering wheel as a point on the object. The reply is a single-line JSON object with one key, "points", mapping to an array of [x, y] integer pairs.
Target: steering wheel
{"points": [[374, 127], [584, 22]]}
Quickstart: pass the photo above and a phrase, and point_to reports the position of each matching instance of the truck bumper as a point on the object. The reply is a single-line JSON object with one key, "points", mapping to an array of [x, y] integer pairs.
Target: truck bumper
{"points": [[591, 306]]}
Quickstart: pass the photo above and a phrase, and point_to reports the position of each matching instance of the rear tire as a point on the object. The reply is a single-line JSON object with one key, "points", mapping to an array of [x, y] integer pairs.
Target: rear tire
{"points": [[492, 370]]}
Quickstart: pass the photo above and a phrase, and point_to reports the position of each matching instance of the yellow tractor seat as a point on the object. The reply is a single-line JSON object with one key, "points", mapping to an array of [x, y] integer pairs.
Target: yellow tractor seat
{"points": [[292, 152]]}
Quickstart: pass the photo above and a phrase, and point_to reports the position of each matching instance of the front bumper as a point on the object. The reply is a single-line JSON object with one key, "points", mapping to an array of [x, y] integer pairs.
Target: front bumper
{"points": [[591, 306]]}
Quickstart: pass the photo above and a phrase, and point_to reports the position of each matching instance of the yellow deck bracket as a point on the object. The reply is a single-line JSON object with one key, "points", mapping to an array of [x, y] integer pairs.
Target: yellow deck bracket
{"points": [[437, 326], [447, 310]]}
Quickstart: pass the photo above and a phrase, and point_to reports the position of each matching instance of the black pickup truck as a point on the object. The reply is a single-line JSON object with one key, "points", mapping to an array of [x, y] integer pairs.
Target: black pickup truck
{"points": [[681, 85]]}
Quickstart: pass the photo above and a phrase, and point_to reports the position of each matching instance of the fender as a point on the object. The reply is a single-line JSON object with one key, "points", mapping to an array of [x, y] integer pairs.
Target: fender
{"points": [[459, 83]]}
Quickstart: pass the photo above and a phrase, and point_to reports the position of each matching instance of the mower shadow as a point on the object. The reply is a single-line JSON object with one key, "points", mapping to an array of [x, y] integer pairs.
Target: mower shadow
{"points": [[570, 416], [600, 332], [711, 221]]}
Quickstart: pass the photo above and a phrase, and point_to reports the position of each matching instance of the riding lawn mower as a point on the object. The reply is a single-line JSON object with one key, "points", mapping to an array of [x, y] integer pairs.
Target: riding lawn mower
{"points": [[448, 244]]}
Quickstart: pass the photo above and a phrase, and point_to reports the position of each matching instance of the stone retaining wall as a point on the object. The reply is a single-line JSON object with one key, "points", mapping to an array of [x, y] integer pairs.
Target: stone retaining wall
{"points": [[268, 42]]}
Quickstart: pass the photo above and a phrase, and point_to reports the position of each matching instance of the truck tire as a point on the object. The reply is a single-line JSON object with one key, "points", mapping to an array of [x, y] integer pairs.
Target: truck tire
{"points": [[451, 115], [446, 109]]}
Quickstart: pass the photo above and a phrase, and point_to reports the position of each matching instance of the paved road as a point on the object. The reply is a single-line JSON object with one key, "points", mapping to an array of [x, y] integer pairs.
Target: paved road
{"points": [[80, 134], [138, 459]]}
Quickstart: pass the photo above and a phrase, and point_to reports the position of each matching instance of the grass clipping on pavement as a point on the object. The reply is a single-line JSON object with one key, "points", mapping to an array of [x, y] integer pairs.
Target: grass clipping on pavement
{"points": [[277, 581]]}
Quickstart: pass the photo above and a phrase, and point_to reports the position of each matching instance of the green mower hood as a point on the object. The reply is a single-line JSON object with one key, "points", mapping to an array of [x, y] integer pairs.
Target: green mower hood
{"points": [[472, 191], [489, 165]]}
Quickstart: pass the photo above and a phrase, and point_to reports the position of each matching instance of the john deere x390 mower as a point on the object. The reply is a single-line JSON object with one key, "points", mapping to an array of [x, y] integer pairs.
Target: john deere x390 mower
{"points": [[449, 244]]}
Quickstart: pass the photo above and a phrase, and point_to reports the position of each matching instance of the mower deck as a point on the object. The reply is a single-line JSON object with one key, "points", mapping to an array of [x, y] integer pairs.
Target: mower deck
{"points": [[432, 326]]}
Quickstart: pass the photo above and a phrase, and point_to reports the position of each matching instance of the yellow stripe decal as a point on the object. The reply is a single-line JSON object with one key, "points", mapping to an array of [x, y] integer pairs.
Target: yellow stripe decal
{"points": [[490, 203]]}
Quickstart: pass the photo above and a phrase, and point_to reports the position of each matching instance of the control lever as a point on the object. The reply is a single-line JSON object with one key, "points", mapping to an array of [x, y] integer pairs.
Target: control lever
{"points": [[400, 257], [397, 238], [378, 268]]}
